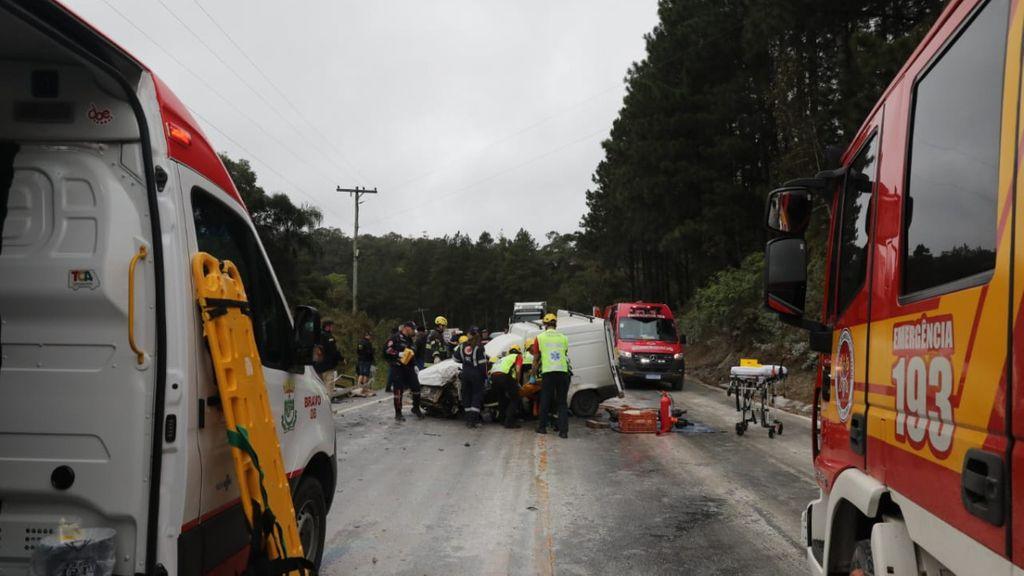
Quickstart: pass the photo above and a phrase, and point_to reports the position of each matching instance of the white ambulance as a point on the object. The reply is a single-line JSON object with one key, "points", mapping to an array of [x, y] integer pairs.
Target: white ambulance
{"points": [[109, 412]]}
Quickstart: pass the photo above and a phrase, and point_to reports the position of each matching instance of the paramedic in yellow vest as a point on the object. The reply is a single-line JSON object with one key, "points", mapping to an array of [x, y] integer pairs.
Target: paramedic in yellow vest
{"points": [[505, 381], [553, 359]]}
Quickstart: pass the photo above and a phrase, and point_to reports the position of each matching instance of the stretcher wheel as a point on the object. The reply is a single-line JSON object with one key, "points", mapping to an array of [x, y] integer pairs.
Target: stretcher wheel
{"points": [[771, 432], [741, 427], [778, 428]]}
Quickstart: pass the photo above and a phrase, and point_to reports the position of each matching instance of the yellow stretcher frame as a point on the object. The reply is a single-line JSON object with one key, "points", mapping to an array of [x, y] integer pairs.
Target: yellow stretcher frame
{"points": [[247, 415]]}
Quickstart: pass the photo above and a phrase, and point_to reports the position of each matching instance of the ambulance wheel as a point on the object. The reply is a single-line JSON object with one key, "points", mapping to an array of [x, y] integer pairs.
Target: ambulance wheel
{"points": [[311, 518], [863, 562], [584, 403]]}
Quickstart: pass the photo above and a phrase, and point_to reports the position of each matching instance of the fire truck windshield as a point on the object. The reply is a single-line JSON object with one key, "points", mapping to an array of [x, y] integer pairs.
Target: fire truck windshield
{"points": [[660, 329]]}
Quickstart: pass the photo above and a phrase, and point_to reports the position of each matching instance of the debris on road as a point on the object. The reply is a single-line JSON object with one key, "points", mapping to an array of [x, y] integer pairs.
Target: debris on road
{"points": [[598, 424]]}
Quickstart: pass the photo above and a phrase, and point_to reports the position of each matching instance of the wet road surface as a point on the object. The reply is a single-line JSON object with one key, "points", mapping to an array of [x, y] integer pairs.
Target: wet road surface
{"points": [[433, 497]]}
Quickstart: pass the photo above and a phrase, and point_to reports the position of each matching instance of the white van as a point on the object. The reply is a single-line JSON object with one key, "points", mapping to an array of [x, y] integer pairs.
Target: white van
{"points": [[109, 412], [595, 377]]}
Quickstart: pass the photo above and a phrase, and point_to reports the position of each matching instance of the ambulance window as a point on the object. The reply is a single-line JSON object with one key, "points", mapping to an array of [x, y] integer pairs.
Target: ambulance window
{"points": [[225, 235], [950, 208], [852, 262]]}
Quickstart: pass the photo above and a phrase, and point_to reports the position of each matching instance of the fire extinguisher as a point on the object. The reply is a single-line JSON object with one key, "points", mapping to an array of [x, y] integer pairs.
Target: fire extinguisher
{"points": [[665, 414]]}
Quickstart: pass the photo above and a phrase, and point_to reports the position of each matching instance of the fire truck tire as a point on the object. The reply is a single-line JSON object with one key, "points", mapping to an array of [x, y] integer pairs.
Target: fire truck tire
{"points": [[584, 403], [677, 385], [862, 563], [311, 516]]}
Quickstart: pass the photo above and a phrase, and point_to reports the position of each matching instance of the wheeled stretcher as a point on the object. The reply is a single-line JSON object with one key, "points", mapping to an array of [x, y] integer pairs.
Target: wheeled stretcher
{"points": [[754, 389]]}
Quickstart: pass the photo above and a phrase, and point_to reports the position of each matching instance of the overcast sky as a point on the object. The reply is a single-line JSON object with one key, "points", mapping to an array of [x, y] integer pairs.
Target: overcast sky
{"points": [[467, 115]]}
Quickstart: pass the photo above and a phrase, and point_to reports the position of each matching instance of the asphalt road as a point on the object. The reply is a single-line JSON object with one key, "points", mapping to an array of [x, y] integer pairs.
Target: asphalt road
{"points": [[432, 497]]}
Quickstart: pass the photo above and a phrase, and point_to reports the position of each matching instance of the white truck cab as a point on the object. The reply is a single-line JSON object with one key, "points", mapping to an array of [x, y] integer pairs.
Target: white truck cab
{"points": [[109, 411]]}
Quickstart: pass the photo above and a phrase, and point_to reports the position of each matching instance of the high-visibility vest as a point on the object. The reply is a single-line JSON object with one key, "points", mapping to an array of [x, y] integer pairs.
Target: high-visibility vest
{"points": [[554, 351], [505, 365], [527, 358]]}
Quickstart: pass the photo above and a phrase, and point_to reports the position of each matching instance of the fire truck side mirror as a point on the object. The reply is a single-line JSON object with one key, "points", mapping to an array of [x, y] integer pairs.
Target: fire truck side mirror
{"points": [[305, 335], [785, 276], [788, 210]]}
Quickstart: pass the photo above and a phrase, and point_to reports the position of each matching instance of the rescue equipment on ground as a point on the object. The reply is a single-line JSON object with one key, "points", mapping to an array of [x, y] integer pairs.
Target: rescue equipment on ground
{"points": [[636, 421], [275, 547], [665, 414], [753, 384]]}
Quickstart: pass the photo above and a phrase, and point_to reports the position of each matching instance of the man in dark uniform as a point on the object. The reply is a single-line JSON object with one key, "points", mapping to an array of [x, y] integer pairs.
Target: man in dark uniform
{"points": [[400, 350], [472, 358], [327, 357]]}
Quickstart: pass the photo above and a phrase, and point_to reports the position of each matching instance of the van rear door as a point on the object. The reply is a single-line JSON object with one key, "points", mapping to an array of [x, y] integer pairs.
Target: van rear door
{"points": [[79, 296]]}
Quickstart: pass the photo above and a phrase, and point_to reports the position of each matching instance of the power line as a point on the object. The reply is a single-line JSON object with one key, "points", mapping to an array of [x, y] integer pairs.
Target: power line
{"points": [[213, 91], [243, 80], [494, 175], [280, 92], [264, 163], [246, 84]]}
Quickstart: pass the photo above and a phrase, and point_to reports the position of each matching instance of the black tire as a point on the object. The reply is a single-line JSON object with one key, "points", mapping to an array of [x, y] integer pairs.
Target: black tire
{"points": [[585, 403], [311, 517], [863, 562], [740, 428], [771, 432], [677, 385], [779, 428]]}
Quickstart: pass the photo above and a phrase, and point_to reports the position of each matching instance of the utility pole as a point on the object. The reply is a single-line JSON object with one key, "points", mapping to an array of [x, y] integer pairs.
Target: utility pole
{"points": [[423, 318], [356, 193]]}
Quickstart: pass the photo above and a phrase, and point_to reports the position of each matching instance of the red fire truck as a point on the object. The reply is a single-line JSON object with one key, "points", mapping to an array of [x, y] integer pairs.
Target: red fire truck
{"points": [[916, 407]]}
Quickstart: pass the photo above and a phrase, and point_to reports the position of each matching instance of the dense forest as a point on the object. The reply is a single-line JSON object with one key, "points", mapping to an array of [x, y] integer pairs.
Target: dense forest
{"points": [[733, 98]]}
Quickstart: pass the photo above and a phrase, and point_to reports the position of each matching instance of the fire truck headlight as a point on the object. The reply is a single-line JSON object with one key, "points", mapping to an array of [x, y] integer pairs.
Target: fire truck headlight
{"points": [[677, 356], [624, 354]]}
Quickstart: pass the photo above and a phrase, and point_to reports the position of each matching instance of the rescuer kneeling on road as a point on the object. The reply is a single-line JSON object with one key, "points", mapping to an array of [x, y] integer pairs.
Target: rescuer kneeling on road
{"points": [[553, 356], [470, 355], [505, 378], [401, 352]]}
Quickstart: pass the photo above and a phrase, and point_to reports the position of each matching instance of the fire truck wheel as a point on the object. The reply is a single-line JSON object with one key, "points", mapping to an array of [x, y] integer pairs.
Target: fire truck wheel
{"points": [[862, 563], [311, 517], [584, 403]]}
